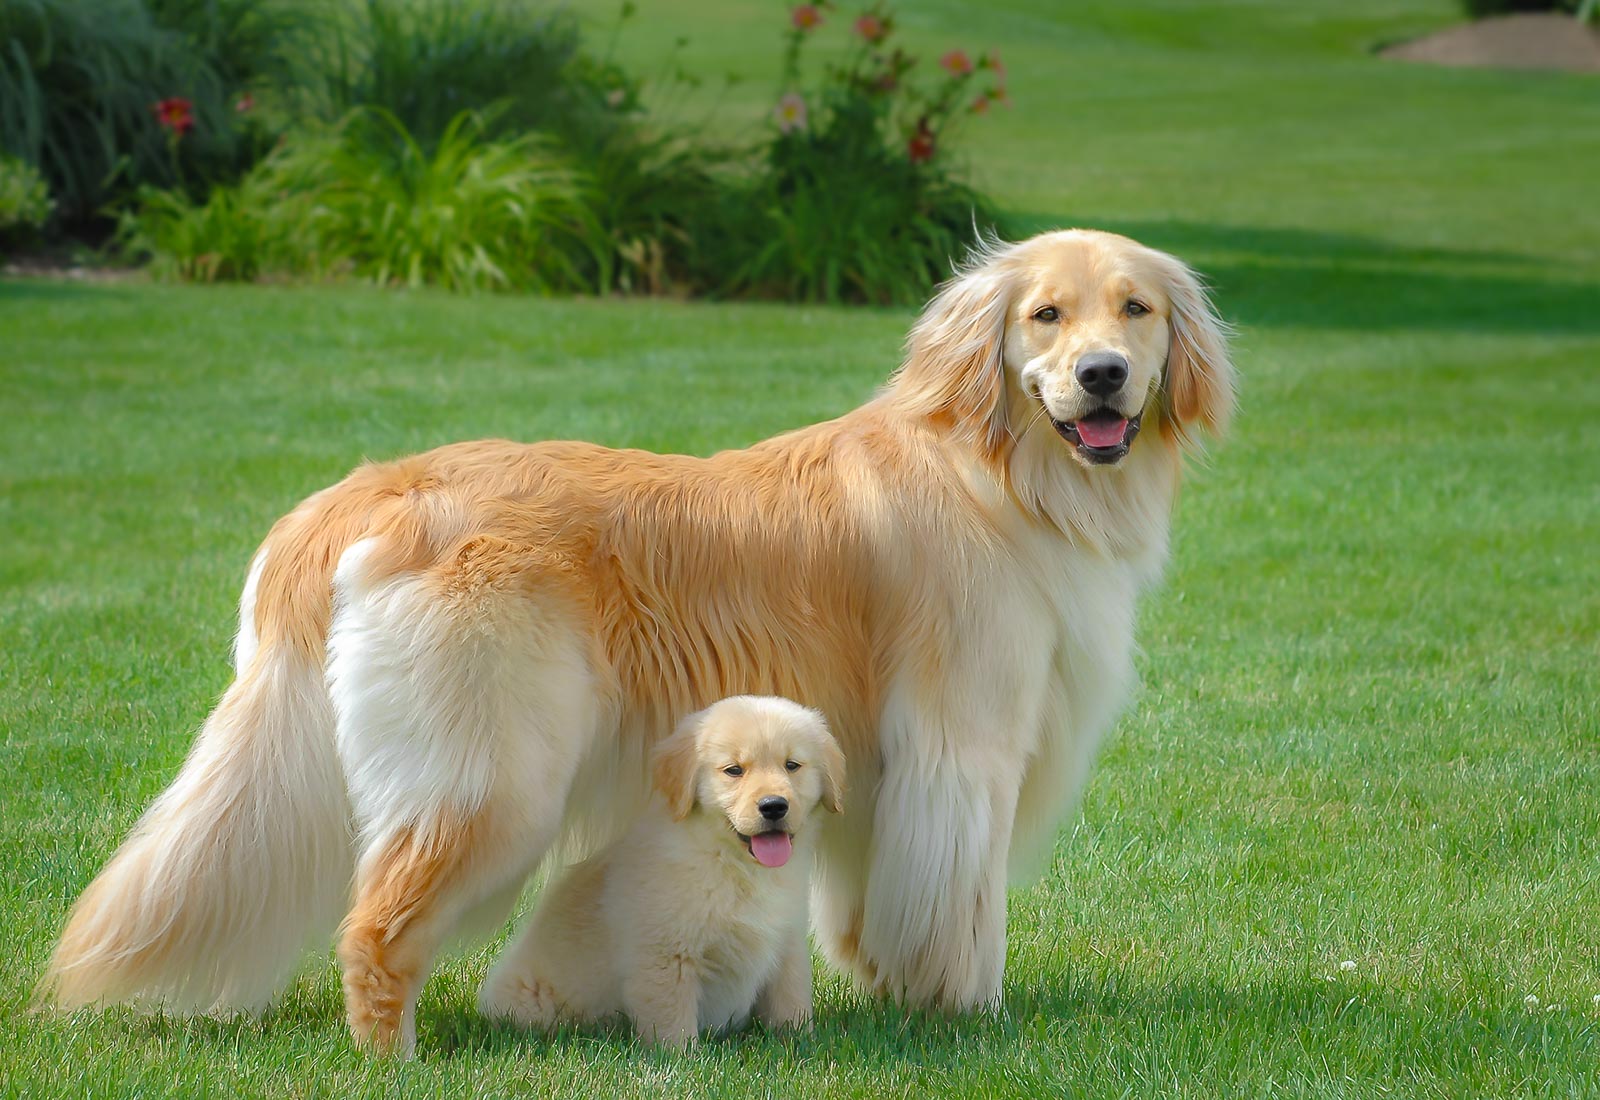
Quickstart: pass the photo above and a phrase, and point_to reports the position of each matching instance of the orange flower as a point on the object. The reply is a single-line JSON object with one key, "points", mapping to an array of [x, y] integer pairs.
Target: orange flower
{"points": [[806, 17], [174, 113], [871, 27], [956, 63]]}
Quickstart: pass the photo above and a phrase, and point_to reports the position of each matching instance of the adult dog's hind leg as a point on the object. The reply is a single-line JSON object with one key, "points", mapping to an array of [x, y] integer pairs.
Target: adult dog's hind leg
{"points": [[463, 709]]}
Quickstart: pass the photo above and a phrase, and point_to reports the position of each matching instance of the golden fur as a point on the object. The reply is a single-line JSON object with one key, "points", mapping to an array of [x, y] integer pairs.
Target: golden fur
{"points": [[677, 923], [471, 652]]}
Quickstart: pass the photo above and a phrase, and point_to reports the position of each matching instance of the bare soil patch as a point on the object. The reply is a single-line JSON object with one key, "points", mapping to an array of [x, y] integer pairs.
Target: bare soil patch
{"points": [[1524, 41]]}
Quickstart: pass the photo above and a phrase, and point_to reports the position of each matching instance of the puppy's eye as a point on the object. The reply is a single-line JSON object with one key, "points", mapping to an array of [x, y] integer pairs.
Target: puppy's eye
{"points": [[791, 765], [734, 770], [1136, 309], [1047, 314]]}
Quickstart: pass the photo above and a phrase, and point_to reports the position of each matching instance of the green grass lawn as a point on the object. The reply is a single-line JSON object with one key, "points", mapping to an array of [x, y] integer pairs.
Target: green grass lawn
{"points": [[1352, 824]]}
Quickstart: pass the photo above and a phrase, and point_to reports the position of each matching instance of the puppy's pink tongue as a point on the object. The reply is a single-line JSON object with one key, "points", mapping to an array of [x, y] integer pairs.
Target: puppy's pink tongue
{"points": [[772, 849], [1102, 433]]}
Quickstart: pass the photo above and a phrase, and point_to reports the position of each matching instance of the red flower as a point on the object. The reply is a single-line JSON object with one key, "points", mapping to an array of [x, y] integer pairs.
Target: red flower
{"points": [[981, 104], [806, 17], [245, 104], [992, 63], [175, 114], [920, 148], [871, 27], [956, 63]]}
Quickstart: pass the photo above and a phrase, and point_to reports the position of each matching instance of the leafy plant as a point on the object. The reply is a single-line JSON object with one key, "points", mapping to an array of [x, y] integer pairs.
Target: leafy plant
{"points": [[424, 61], [854, 199], [104, 96], [25, 203], [367, 200], [238, 233]]}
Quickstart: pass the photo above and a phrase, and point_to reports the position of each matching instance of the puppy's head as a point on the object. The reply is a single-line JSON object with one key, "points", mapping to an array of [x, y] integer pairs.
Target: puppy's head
{"points": [[759, 762], [1090, 333]]}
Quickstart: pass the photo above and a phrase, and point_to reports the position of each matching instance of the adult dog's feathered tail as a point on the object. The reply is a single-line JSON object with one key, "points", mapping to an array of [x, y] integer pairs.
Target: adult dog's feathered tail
{"points": [[241, 864]]}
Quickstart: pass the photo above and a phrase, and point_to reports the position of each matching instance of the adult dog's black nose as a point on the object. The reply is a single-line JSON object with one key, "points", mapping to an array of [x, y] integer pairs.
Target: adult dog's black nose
{"points": [[1102, 372], [773, 807]]}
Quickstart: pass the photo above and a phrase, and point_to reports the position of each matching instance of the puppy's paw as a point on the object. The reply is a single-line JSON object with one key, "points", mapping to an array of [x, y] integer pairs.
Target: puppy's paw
{"points": [[531, 1002]]}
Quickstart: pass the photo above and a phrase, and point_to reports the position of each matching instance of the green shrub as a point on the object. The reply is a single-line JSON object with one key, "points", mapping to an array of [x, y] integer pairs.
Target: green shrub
{"points": [[104, 97], [24, 196], [369, 201], [25, 204], [659, 206], [239, 233], [854, 198], [425, 61]]}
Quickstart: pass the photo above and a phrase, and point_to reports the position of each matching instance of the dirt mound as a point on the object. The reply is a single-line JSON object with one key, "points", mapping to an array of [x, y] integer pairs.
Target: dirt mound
{"points": [[1530, 41]]}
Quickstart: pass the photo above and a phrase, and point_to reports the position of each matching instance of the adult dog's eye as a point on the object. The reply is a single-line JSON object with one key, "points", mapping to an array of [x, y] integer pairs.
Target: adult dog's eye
{"points": [[734, 770], [1136, 309], [791, 765], [1048, 313]]}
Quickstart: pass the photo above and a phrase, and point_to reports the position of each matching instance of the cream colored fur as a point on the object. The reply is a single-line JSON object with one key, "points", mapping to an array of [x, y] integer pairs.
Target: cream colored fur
{"points": [[676, 924], [508, 630]]}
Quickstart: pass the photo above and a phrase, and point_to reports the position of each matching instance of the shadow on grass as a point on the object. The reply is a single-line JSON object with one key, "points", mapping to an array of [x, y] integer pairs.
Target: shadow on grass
{"points": [[1382, 1026], [1305, 278]]}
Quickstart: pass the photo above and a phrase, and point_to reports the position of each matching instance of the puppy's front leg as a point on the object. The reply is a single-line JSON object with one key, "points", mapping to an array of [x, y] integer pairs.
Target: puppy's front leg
{"points": [[663, 1001], [786, 1000]]}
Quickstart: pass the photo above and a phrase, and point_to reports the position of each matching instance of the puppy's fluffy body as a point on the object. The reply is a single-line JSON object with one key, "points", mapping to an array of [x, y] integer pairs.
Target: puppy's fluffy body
{"points": [[679, 924], [471, 653]]}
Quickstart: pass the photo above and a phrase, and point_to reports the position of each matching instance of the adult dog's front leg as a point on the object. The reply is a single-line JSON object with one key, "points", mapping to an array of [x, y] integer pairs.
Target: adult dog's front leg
{"points": [[935, 929]]}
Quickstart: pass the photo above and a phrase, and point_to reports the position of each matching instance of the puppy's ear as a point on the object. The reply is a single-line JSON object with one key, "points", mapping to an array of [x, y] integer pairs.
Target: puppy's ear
{"points": [[1198, 389], [674, 764], [831, 763], [953, 373]]}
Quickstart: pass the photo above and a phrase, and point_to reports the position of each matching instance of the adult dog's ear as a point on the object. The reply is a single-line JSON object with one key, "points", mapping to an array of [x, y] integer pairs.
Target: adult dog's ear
{"points": [[1198, 392], [952, 374], [674, 764]]}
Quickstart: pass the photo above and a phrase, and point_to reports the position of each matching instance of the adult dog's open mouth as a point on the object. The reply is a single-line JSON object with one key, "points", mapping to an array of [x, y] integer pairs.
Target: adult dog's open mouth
{"points": [[1102, 436], [770, 849]]}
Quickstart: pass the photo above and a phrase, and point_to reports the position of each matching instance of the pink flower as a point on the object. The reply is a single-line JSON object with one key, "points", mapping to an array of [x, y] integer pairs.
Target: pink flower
{"points": [[992, 63], [245, 104], [920, 148], [871, 27], [806, 17], [174, 113], [956, 63], [790, 113]]}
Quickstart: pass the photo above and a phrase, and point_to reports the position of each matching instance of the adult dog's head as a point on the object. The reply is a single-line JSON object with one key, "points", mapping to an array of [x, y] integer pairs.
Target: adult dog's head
{"points": [[760, 762], [1090, 335]]}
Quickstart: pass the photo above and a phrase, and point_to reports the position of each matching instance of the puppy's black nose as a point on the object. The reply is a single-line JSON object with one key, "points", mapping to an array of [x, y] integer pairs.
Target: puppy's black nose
{"points": [[773, 807], [1102, 372]]}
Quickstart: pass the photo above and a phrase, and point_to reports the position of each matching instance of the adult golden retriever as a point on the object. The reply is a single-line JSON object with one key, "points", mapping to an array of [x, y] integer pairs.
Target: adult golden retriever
{"points": [[448, 663]]}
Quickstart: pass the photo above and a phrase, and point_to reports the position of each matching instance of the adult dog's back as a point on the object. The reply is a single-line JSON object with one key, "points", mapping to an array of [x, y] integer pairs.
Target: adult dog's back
{"points": [[471, 651]]}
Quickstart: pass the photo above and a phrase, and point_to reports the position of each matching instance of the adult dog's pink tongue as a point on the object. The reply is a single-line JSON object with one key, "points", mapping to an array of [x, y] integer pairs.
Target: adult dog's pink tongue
{"points": [[1102, 433], [772, 849]]}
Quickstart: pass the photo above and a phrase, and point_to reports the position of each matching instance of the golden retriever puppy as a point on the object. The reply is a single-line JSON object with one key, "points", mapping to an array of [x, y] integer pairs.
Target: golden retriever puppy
{"points": [[697, 917], [452, 664]]}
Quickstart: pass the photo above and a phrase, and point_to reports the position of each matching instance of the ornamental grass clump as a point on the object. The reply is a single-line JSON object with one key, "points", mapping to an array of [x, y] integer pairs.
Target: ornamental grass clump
{"points": [[367, 200]]}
